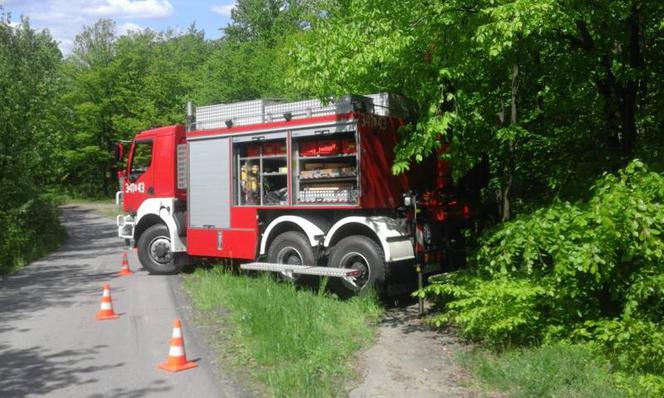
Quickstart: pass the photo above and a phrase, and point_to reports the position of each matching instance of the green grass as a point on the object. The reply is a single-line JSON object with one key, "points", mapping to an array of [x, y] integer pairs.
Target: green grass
{"points": [[558, 370], [296, 342]]}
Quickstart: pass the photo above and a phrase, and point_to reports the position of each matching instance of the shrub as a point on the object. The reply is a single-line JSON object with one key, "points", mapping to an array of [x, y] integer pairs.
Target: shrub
{"points": [[29, 231], [592, 272]]}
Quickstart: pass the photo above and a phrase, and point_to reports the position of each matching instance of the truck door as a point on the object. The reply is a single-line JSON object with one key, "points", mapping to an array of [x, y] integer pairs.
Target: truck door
{"points": [[139, 182]]}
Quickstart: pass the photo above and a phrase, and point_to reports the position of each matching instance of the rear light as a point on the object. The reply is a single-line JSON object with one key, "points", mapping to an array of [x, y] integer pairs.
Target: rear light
{"points": [[466, 211]]}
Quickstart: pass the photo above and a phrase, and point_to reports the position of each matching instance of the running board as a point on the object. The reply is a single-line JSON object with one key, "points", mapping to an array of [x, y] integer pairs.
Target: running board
{"points": [[289, 270]]}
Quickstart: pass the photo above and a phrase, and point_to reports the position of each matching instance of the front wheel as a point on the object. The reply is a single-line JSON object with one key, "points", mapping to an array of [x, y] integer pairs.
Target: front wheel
{"points": [[154, 251], [364, 254]]}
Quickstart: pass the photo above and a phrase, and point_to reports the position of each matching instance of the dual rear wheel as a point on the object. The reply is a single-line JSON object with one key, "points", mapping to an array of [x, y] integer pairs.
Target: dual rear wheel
{"points": [[353, 252]]}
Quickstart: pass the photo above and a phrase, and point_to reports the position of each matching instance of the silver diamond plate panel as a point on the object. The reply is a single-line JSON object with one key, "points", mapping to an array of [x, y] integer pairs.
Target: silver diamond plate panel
{"points": [[300, 269]]}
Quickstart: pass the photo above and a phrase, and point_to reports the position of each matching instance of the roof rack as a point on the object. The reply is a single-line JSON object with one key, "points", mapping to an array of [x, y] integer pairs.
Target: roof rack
{"points": [[265, 111]]}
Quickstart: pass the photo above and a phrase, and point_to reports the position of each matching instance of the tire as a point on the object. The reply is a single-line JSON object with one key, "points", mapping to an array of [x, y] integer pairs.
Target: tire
{"points": [[154, 251], [359, 252], [292, 248]]}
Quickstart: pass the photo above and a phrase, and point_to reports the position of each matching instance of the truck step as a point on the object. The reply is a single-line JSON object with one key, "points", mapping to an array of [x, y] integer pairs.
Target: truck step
{"points": [[290, 269]]}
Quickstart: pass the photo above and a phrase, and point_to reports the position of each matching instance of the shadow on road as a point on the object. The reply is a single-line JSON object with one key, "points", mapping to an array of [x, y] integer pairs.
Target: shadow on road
{"points": [[157, 386], [60, 279], [34, 371]]}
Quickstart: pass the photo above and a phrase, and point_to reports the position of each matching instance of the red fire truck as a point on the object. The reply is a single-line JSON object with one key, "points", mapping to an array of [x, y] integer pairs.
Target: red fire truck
{"points": [[300, 188]]}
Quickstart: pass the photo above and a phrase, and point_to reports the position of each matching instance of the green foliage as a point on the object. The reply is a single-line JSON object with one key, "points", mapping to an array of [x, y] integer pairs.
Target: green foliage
{"points": [[117, 87], [588, 272], [497, 311], [268, 21], [298, 343], [29, 136], [28, 111], [236, 71], [30, 231]]}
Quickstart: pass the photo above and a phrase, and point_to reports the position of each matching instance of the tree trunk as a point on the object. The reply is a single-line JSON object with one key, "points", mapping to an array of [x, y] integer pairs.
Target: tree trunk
{"points": [[504, 193], [628, 93], [620, 99]]}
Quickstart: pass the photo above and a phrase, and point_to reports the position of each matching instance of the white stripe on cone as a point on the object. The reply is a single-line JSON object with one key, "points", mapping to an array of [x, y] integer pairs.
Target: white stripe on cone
{"points": [[106, 306], [176, 351], [177, 332]]}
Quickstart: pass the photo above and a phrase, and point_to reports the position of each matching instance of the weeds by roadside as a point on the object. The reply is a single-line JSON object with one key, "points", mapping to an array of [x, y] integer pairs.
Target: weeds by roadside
{"points": [[297, 343], [557, 370]]}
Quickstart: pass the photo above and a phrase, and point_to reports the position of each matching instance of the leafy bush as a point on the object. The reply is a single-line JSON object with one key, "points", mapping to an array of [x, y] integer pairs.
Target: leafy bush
{"points": [[29, 231], [587, 272], [493, 310]]}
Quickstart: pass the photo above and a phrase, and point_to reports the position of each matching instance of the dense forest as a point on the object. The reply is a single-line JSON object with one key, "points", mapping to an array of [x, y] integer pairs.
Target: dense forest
{"points": [[564, 100]]}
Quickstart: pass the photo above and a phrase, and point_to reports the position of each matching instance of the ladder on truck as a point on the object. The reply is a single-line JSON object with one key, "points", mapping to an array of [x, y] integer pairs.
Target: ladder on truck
{"points": [[289, 270]]}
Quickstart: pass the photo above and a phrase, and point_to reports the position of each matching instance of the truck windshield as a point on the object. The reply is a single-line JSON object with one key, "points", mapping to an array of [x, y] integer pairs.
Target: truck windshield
{"points": [[141, 159]]}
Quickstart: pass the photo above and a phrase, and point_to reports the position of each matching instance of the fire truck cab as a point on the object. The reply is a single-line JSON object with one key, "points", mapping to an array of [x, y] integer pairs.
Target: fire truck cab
{"points": [[305, 185]]}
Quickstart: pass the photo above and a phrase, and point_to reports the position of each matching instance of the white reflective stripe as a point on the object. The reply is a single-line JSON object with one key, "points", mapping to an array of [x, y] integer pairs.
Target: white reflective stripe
{"points": [[106, 293], [420, 236], [177, 332], [106, 306], [176, 351]]}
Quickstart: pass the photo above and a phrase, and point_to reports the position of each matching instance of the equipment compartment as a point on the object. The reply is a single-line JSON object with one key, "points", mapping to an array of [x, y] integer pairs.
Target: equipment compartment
{"points": [[261, 173], [325, 175]]}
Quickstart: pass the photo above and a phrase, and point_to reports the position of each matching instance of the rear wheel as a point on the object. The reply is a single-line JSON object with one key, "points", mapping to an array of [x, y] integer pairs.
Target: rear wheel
{"points": [[291, 248], [154, 251], [364, 254]]}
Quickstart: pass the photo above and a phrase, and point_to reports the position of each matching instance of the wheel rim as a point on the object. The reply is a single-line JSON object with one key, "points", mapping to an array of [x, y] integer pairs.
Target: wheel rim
{"points": [[354, 260], [160, 250], [289, 255]]}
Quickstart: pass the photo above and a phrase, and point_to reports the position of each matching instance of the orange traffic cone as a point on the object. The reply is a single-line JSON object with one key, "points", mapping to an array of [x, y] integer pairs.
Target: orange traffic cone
{"points": [[106, 310], [125, 266], [177, 360]]}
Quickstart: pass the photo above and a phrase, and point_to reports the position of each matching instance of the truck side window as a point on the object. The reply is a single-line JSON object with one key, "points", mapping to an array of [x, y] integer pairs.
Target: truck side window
{"points": [[141, 159]]}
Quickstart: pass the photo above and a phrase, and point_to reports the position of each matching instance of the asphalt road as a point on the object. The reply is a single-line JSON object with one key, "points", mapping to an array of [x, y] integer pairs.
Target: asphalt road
{"points": [[51, 345]]}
